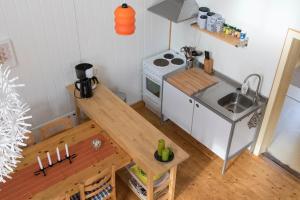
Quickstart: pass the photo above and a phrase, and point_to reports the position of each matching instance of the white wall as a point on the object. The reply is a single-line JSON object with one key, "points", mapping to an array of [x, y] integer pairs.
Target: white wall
{"points": [[266, 23], [51, 36]]}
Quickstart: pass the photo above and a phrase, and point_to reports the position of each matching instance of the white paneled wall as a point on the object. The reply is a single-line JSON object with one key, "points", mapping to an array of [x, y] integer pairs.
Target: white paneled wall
{"points": [[51, 36], [45, 40]]}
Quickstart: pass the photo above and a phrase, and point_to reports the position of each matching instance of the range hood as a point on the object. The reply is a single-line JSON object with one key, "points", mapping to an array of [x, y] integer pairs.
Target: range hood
{"points": [[176, 10]]}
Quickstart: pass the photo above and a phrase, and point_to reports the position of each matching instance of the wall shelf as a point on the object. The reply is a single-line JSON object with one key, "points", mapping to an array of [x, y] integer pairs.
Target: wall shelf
{"points": [[221, 36]]}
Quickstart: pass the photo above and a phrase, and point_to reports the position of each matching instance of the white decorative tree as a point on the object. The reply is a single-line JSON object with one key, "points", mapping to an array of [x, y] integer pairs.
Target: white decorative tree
{"points": [[12, 124]]}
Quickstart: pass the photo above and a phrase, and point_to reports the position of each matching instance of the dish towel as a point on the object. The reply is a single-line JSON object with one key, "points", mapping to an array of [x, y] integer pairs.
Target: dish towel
{"points": [[253, 122]]}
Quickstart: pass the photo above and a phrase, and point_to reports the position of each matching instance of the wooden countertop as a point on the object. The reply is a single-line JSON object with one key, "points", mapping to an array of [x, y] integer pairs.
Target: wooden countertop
{"points": [[191, 81], [137, 136]]}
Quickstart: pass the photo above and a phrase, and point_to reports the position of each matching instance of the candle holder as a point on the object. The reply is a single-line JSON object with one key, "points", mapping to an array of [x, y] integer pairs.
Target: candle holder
{"points": [[96, 144], [44, 170]]}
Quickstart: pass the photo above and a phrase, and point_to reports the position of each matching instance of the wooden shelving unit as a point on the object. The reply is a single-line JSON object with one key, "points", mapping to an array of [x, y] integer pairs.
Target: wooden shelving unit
{"points": [[221, 36], [125, 176], [163, 188]]}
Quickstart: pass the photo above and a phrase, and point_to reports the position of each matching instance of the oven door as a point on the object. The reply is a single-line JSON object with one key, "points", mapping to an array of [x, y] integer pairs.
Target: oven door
{"points": [[152, 88]]}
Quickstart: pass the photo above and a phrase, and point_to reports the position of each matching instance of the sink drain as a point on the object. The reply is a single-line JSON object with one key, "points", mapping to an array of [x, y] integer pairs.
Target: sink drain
{"points": [[231, 110]]}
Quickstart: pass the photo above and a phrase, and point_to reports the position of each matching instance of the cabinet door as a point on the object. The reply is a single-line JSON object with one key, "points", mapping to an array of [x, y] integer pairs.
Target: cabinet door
{"points": [[178, 107], [211, 130]]}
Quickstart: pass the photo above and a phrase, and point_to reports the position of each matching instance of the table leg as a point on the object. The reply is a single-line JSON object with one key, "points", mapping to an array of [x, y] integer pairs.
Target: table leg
{"points": [[150, 189], [172, 184], [77, 112]]}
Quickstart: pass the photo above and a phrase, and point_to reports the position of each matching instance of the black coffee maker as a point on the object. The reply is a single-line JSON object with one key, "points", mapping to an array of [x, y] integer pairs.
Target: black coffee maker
{"points": [[87, 81]]}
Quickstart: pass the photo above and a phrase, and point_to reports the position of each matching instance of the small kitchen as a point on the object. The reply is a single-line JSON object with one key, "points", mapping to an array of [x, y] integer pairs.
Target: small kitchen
{"points": [[159, 99]]}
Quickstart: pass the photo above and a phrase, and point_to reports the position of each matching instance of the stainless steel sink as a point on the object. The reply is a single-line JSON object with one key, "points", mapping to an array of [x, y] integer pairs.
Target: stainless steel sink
{"points": [[235, 102]]}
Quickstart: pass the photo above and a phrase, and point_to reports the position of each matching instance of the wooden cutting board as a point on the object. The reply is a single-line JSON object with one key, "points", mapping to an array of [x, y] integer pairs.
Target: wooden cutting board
{"points": [[192, 81]]}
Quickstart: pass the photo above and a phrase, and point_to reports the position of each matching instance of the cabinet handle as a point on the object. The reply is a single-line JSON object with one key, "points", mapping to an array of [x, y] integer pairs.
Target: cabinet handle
{"points": [[191, 101], [197, 105]]}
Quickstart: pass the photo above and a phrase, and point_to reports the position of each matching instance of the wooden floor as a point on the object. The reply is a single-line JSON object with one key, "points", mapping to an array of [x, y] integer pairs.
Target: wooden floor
{"points": [[248, 177]]}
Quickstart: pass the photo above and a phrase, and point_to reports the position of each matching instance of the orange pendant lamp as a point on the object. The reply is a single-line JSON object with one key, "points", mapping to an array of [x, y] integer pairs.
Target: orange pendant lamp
{"points": [[125, 20]]}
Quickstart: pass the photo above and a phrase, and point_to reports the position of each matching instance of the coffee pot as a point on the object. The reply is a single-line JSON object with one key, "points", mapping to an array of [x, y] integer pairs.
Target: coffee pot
{"points": [[87, 81]]}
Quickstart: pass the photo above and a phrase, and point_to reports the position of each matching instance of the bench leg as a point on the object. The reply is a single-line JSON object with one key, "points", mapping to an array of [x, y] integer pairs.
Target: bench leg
{"points": [[172, 184]]}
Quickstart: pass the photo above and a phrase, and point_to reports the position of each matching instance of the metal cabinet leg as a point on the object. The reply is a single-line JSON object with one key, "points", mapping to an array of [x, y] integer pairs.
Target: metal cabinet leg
{"points": [[228, 149], [224, 167]]}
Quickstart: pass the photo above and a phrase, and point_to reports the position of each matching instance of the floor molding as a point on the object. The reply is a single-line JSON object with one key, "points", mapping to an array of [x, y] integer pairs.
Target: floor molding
{"points": [[282, 165], [138, 105]]}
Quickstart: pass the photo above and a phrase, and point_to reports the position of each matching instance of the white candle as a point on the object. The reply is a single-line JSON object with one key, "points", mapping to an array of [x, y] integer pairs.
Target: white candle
{"points": [[40, 162], [49, 158], [57, 153], [67, 150]]}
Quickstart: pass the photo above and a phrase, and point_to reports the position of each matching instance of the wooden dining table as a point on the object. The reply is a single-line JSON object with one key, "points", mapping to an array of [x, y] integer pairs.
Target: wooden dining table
{"points": [[63, 177]]}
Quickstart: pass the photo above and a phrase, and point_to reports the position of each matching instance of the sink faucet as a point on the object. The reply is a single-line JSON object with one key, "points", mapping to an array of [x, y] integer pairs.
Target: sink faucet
{"points": [[256, 98]]}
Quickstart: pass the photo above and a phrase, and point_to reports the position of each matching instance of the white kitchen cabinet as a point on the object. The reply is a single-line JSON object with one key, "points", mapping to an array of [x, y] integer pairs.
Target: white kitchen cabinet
{"points": [[177, 106], [211, 130], [226, 139]]}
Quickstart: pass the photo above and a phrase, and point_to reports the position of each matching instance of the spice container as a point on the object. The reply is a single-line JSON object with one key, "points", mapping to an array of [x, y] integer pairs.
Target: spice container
{"points": [[243, 36], [203, 11], [224, 28], [202, 21], [237, 33], [220, 24], [228, 30], [210, 22], [233, 31]]}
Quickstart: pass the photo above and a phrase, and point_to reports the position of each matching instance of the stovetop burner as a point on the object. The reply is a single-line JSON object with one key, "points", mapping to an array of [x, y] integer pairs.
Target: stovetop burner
{"points": [[169, 56], [177, 61], [161, 62]]}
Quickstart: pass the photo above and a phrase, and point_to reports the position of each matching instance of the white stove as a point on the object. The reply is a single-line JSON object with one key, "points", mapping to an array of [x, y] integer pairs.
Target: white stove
{"points": [[154, 69], [164, 63]]}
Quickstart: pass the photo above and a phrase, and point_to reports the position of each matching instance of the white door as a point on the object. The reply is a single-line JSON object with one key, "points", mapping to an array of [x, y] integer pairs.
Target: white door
{"points": [[178, 107], [286, 143], [211, 130]]}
